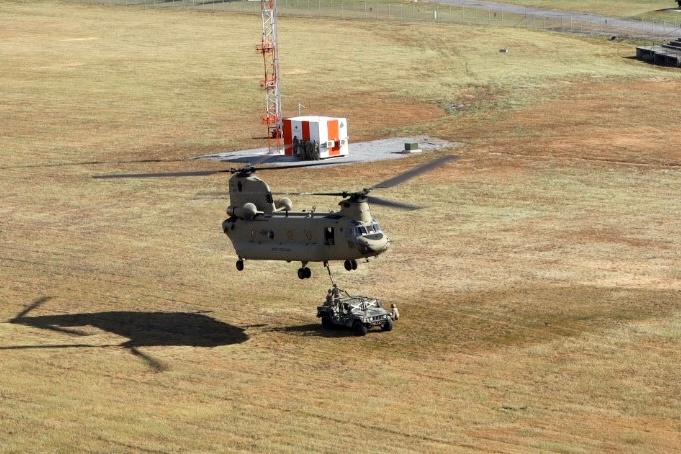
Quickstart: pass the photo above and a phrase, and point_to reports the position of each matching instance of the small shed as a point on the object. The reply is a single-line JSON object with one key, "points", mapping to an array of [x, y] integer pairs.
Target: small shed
{"points": [[315, 137]]}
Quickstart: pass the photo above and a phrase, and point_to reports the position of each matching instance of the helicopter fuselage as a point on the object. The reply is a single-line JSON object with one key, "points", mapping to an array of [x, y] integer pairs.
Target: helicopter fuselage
{"points": [[305, 237], [262, 229]]}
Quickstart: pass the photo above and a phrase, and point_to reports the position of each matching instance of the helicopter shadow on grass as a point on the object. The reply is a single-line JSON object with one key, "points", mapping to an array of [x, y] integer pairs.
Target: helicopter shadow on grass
{"points": [[142, 329]]}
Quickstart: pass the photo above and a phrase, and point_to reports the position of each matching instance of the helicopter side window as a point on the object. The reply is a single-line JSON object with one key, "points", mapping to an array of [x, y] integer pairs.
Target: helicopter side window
{"points": [[328, 236], [361, 230], [376, 227]]}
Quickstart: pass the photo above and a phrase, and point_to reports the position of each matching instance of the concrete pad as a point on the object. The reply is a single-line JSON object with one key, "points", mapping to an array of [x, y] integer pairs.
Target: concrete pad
{"points": [[375, 150]]}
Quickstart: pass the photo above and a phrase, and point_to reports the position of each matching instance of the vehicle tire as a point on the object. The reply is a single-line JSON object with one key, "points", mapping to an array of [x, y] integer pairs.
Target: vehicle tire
{"points": [[301, 273], [240, 265], [326, 322], [388, 325], [348, 265], [359, 328]]}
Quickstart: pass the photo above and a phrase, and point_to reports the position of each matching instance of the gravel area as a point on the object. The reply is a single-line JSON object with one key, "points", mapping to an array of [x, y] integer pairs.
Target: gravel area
{"points": [[375, 150]]}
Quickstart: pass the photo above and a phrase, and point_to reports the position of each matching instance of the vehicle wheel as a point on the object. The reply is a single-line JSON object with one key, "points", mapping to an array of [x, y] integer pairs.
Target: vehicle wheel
{"points": [[301, 273], [240, 265], [353, 263], [307, 272], [326, 322], [348, 265], [359, 328], [388, 325]]}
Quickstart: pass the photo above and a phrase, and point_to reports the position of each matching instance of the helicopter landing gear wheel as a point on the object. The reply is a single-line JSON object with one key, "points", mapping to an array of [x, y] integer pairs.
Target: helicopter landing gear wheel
{"points": [[240, 265], [350, 265], [304, 273]]}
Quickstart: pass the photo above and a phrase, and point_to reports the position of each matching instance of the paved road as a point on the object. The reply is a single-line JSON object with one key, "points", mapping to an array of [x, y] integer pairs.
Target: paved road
{"points": [[631, 27]]}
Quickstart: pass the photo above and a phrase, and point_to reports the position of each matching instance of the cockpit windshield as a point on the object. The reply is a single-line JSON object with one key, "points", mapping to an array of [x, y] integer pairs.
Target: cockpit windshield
{"points": [[368, 229]]}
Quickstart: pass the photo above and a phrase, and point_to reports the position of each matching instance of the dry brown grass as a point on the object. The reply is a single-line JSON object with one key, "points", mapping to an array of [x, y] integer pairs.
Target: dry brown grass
{"points": [[539, 291]]}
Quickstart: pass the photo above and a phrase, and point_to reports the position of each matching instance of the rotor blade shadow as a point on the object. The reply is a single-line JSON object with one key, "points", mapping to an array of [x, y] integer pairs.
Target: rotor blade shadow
{"points": [[149, 360], [34, 305], [48, 346]]}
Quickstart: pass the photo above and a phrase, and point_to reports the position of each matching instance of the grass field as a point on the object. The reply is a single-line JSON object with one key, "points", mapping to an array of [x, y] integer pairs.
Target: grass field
{"points": [[540, 289]]}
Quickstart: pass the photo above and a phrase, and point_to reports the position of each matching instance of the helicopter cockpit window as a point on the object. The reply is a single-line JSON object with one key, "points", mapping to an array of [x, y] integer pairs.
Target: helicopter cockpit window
{"points": [[361, 230], [376, 227]]}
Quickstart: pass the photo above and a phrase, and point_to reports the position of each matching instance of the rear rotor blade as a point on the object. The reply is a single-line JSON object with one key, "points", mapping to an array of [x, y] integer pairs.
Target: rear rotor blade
{"points": [[408, 175], [297, 165], [392, 204], [160, 174], [198, 173], [332, 194]]}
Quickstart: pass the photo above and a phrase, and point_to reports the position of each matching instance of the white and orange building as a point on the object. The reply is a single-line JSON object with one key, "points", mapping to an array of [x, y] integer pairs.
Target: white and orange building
{"points": [[328, 134]]}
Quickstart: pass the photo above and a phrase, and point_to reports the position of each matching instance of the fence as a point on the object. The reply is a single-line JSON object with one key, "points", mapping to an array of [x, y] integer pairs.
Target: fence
{"points": [[424, 12]]}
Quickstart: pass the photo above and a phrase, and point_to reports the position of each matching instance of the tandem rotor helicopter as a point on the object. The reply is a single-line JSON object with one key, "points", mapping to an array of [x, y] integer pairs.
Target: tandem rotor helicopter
{"points": [[262, 228]]}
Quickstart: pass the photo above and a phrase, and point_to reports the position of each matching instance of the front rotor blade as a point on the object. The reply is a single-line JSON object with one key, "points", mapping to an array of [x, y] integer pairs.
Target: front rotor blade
{"points": [[392, 204], [196, 173], [416, 171], [332, 194]]}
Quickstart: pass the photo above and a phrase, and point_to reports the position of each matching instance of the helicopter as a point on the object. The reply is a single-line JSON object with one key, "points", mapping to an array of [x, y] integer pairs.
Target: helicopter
{"points": [[262, 228]]}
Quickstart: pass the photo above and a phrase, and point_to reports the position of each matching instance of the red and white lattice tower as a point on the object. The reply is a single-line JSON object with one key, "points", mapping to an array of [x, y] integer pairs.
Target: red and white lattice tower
{"points": [[268, 48]]}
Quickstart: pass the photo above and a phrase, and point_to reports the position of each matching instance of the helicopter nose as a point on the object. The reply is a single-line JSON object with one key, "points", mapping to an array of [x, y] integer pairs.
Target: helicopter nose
{"points": [[374, 244]]}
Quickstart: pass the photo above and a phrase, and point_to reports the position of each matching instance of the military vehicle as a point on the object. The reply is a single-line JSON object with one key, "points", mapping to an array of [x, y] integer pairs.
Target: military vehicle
{"points": [[360, 313]]}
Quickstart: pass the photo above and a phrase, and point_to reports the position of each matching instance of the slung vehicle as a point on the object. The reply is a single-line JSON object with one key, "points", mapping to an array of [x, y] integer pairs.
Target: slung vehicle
{"points": [[360, 313]]}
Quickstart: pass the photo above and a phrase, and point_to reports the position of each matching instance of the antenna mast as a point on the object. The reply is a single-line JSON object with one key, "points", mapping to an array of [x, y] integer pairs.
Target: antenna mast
{"points": [[270, 54]]}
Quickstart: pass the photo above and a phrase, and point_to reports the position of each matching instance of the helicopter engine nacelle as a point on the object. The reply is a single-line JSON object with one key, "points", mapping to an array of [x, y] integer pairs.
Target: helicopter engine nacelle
{"points": [[284, 204], [246, 211]]}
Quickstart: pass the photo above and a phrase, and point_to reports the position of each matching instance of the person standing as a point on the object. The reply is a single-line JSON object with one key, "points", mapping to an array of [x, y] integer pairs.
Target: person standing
{"points": [[394, 313]]}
